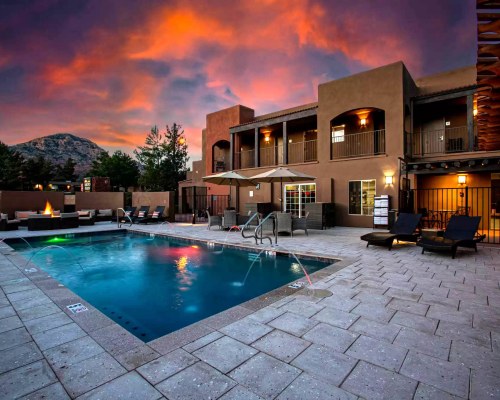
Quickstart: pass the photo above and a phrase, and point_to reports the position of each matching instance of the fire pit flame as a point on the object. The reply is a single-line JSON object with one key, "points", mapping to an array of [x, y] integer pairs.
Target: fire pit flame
{"points": [[48, 209]]}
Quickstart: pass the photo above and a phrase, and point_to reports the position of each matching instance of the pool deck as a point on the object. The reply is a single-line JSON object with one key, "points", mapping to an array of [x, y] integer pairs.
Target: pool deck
{"points": [[399, 325]]}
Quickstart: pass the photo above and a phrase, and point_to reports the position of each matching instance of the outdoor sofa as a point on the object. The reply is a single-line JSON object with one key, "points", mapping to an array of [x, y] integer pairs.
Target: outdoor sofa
{"points": [[7, 224]]}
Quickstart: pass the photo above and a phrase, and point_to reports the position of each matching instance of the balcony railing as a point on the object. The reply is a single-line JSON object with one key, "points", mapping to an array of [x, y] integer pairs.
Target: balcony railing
{"points": [[220, 166], [358, 144], [244, 159], [303, 152], [440, 141]]}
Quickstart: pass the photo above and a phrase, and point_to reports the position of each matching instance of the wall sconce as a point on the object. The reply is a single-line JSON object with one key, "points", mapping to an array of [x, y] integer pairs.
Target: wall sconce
{"points": [[474, 112], [267, 138], [362, 122], [388, 179], [462, 179]]}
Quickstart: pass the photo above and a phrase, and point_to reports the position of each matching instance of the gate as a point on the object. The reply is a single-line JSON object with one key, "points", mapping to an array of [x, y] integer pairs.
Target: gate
{"points": [[437, 205]]}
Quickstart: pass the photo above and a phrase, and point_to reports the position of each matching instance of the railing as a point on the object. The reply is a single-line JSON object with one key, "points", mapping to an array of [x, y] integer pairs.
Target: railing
{"points": [[439, 141], [358, 144], [266, 223], [303, 151], [437, 205], [220, 166], [244, 159], [197, 204], [121, 220], [270, 155]]}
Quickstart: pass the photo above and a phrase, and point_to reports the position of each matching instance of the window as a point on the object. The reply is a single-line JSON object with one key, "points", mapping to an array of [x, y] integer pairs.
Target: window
{"points": [[338, 134], [297, 195], [361, 197]]}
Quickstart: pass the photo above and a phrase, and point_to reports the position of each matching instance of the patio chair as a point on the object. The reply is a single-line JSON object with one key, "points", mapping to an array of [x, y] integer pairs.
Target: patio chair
{"points": [[214, 220], [142, 213], [7, 224], [86, 217], [229, 219], [156, 217], [460, 232], [403, 229], [105, 214], [284, 223], [300, 223], [40, 222]]}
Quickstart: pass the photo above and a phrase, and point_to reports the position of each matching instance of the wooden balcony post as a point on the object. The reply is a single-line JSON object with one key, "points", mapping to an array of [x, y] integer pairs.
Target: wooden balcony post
{"points": [[470, 122], [257, 148], [285, 144], [231, 151]]}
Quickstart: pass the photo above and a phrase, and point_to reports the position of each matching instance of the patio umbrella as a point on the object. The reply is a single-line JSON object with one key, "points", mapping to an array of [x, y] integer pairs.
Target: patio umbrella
{"points": [[282, 174], [229, 178]]}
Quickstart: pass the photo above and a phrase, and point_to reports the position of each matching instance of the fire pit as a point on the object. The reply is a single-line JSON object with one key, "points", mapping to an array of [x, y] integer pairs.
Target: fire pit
{"points": [[48, 221]]}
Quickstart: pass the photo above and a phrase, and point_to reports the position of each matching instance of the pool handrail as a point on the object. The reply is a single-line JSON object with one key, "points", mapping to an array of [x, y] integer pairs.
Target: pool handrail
{"points": [[246, 225], [124, 215], [259, 227]]}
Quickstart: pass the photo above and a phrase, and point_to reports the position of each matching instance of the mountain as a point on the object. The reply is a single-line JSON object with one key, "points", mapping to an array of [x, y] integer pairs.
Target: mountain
{"points": [[59, 147]]}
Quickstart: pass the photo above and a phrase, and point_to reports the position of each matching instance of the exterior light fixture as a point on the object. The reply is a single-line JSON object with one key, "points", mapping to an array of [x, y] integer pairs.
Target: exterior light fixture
{"points": [[471, 163], [362, 122], [388, 179], [484, 163], [462, 179], [456, 164], [444, 165], [267, 139], [474, 112]]}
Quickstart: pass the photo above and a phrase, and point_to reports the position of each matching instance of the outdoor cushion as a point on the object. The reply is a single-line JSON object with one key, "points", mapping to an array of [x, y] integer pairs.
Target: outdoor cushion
{"points": [[141, 214], [4, 216], [156, 214], [24, 214], [83, 213], [106, 212]]}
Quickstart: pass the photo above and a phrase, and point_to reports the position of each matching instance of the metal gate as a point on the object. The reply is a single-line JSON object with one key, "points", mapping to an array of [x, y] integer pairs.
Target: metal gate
{"points": [[437, 205]]}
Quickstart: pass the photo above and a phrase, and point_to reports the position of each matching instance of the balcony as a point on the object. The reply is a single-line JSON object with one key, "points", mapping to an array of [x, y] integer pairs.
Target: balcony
{"points": [[303, 152], [358, 144], [440, 142], [244, 159]]}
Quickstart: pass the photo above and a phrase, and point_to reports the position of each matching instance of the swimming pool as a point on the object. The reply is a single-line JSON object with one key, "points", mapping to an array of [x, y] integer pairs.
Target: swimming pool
{"points": [[155, 285]]}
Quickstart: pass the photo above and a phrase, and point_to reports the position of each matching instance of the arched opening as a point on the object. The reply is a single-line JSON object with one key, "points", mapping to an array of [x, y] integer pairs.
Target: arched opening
{"points": [[220, 156], [359, 132]]}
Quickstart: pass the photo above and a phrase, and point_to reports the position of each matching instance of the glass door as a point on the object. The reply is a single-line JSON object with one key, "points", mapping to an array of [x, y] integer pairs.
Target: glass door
{"points": [[297, 195]]}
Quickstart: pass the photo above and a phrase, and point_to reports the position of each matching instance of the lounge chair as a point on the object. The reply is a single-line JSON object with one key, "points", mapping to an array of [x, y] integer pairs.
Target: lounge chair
{"points": [[7, 224], [105, 214], [214, 220], [86, 217], [300, 223], [460, 232], [142, 213], [403, 229], [284, 223], [127, 217], [156, 217]]}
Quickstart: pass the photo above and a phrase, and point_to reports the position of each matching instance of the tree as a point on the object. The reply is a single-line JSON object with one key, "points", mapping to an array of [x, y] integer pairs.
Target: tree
{"points": [[163, 158], [66, 172], [10, 168], [37, 171], [121, 169]]}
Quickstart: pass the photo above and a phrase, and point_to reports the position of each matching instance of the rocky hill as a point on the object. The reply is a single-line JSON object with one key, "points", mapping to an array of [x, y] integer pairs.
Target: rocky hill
{"points": [[61, 146]]}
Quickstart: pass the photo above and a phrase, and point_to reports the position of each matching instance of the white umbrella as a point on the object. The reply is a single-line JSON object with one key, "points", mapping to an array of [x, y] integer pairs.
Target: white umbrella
{"points": [[229, 178], [282, 174]]}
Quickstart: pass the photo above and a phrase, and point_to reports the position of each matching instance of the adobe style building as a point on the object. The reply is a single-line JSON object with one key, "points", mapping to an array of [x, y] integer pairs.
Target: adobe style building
{"points": [[379, 132]]}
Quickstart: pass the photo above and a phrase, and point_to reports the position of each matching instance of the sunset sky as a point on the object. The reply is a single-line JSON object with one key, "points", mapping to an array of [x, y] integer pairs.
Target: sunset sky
{"points": [[108, 70]]}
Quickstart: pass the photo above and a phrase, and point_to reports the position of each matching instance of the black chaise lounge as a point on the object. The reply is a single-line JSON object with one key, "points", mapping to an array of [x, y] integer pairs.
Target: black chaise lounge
{"points": [[142, 213], [128, 216], [460, 232], [156, 217], [403, 229]]}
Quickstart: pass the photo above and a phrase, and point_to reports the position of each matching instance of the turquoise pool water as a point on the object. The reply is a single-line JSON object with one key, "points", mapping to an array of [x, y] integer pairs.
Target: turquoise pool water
{"points": [[155, 285]]}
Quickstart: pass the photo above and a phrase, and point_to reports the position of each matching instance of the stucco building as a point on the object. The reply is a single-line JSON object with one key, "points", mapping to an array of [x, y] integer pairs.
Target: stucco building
{"points": [[372, 133]]}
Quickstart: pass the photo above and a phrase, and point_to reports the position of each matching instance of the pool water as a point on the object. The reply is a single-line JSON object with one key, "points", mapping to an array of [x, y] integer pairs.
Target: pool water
{"points": [[155, 285]]}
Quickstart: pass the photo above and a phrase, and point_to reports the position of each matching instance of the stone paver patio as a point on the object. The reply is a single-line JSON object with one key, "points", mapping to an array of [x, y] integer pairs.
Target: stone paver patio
{"points": [[399, 325]]}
